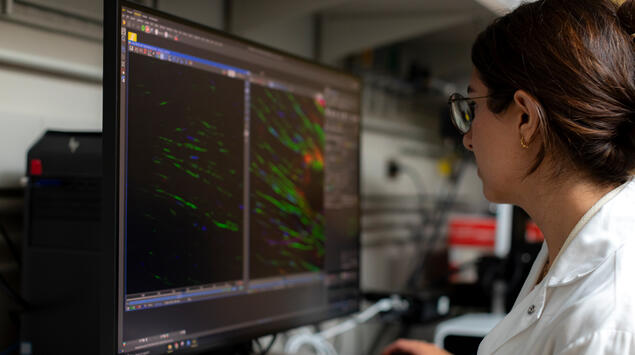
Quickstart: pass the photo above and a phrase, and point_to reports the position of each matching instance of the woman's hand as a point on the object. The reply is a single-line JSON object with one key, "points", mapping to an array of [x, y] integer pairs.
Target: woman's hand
{"points": [[413, 347]]}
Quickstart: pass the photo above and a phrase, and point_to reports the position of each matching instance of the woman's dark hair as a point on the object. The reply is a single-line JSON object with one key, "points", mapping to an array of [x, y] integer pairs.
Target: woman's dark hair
{"points": [[577, 58]]}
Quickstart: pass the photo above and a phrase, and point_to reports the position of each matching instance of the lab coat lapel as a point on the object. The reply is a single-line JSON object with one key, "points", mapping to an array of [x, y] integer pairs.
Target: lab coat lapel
{"points": [[525, 313]]}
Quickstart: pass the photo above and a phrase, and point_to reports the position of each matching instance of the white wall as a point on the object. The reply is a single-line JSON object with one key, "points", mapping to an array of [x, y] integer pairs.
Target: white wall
{"points": [[294, 35], [34, 101], [206, 12]]}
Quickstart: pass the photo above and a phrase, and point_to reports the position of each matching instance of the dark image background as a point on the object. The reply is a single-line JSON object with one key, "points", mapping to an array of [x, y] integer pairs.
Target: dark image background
{"points": [[286, 183], [185, 176]]}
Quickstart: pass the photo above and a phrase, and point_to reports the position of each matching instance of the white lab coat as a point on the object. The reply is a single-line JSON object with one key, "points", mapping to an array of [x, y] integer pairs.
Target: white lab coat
{"points": [[586, 302]]}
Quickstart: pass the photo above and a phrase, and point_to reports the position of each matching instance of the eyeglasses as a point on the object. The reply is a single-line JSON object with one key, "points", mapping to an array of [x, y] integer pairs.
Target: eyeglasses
{"points": [[462, 111]]}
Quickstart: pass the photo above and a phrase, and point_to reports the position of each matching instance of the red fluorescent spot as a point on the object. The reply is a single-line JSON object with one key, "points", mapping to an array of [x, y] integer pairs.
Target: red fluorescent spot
{"points": [[36, 167]]}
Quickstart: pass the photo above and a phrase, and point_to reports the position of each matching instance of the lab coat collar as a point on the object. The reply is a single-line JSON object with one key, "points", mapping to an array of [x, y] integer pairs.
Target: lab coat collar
{"points": [[597, 239]]}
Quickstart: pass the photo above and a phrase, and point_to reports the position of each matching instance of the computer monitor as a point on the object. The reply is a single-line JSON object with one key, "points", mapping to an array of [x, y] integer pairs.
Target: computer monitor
{"points": [[231, 186]]}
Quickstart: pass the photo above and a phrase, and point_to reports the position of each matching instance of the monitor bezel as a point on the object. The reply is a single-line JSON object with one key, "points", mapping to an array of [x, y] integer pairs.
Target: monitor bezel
{"points": [[109, 292]]}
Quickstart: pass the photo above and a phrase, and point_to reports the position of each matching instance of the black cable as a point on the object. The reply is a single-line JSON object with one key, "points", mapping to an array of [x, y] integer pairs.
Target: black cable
{"points": [[258, 345], [273, 340], [442, 207], [12, 248]]}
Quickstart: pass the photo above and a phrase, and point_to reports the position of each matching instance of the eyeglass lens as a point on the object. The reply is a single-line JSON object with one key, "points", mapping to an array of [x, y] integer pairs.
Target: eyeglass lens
{"points": [[461, 113]]}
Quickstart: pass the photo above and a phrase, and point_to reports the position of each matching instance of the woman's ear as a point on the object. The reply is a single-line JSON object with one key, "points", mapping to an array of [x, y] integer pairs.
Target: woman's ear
{"points": [[529, 116]]}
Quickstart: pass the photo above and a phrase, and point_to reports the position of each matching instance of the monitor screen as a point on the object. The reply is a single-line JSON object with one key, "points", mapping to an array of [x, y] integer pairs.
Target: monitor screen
{"points": [[238, 187]]}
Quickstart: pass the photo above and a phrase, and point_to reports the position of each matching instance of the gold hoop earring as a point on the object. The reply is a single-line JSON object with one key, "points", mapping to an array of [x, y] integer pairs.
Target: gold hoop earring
{"points": [[523, 143]]}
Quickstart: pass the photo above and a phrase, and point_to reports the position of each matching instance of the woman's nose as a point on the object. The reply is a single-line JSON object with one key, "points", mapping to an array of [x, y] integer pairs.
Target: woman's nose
{"points": [[467, 140]]}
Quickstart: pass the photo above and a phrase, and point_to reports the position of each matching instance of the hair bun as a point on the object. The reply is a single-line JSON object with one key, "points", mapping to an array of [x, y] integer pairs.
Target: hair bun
{"points": [[626, 14]]}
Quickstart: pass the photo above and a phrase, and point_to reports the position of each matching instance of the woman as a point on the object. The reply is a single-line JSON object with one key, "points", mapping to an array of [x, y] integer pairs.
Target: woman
{"points": [[550, 118]]}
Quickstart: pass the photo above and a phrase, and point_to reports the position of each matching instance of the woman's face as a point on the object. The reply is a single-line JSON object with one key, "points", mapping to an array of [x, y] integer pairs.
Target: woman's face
{"points": [[495, 141]]}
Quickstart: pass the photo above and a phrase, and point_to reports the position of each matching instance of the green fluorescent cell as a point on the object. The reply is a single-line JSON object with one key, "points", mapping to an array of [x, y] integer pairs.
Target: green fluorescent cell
{"points": [[193, 147], [207, 125], [320, 132], [319, 107], [172, 157], [178, 198], [310, 267], [191, 174], [271, 97], [300, 246], [223, 191], [261, 116], [229, 225], [163, 103]]}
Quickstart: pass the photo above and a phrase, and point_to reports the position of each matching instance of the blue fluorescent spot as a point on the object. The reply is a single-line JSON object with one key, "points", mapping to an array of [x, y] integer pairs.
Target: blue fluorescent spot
{"points": [[204, 228], [273, 131], [241, 207], [193, 157], [281, 114], [195, 224], [190, 138]]}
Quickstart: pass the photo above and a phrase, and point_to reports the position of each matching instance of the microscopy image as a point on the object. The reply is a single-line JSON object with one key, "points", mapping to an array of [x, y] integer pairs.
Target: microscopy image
{"points": [[286, 183], [184, 176]]}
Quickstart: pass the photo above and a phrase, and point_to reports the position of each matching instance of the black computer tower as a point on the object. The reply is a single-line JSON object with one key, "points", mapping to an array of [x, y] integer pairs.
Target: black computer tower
{"points": [[61, 248]]}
